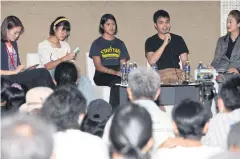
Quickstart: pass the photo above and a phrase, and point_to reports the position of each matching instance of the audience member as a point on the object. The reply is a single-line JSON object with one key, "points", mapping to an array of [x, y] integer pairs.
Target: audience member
{"points": [[26, 137], [233, 138], [35, 98], [98, 113], [66, 108], [14, 97], [190, 122], [4, 85], [228, 104], [144, 89], [66, 73], [131, 133]]}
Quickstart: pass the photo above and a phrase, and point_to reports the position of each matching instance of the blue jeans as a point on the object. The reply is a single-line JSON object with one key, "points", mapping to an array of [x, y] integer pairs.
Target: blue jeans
{"points": [[85, 86]]}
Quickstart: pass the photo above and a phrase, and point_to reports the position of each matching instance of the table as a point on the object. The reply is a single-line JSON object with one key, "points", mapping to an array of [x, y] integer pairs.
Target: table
{"points": [[171, 94]]}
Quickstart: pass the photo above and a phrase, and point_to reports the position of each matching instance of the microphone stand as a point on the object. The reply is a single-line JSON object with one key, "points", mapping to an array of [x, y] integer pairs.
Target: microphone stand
{"points": [[174, 64]]}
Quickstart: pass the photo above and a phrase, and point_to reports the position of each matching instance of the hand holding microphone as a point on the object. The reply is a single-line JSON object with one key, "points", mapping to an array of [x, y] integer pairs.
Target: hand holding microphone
{"points": [[167, 37]]}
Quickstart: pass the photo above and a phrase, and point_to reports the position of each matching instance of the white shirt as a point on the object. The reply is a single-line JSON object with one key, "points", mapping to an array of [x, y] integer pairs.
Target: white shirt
{"points": [[75, 144], [47, 53], [202, 152], [219, 127], [162, 125]]}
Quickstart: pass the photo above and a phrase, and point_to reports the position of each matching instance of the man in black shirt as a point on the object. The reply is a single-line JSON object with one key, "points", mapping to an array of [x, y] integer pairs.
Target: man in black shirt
{"points": [[165, 49]]}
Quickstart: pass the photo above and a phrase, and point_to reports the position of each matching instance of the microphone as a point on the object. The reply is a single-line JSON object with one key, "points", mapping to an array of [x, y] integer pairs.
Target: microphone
{"points": [[166, 31]]}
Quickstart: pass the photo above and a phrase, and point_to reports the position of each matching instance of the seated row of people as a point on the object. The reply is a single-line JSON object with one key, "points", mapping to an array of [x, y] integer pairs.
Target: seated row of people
{"points": [[137, 130]]}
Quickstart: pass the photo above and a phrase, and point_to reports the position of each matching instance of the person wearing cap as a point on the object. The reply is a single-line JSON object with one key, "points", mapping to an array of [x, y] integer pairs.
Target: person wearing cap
{"points": [[66, 108], [35, 98], [98, 113]]}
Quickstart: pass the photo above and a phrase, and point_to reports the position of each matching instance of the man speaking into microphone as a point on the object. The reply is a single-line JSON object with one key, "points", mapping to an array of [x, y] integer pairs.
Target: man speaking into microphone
{"points": [[165, 50]]}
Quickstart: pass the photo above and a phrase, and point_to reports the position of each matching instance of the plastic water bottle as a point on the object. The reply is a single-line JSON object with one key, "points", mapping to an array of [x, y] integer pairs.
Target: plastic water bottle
{"points": [[124, 74], [155, 67], [187, 70], [134, 65], [130, 67], [200, 65]]}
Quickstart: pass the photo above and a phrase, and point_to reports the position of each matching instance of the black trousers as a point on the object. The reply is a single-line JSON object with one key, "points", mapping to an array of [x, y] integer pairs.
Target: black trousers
{"points": [[103, 79], [33, 78]]}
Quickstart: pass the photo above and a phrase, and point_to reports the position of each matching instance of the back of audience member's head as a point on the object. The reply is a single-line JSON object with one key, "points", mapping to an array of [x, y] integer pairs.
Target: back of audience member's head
{"points": [[14, 96], [131, 132], [190, 119], [98, 113], [66, 73], [143, 82], [35, 98], [233, 138], [65, 107], [4, 84], [229, 95], [26, 137]]}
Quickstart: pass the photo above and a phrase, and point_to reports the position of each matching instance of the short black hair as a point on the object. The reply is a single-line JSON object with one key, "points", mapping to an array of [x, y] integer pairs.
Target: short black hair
{"points": [[190, 118], [5, 83], [130, 131], [159, 14], [9, 23], [103, 20], [64, 106], [66, 73], [14, 98], [230, 93], [65, 23]]}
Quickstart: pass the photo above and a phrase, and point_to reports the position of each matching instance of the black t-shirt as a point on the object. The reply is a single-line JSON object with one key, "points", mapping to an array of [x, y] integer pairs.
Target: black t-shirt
{"points": [[231, 45], [110, 51], [170, 55]]}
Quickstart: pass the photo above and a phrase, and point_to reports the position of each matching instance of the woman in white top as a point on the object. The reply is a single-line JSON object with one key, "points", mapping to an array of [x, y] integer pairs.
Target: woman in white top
{"points": [[55, 50]]}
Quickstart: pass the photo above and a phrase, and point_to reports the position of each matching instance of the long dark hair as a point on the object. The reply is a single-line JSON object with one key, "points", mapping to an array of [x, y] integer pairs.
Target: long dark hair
{"points": [[130, 131], [14, 97]]}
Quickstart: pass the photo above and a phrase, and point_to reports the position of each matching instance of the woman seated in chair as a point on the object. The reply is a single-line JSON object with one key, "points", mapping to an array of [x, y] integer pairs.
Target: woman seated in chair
{"points": [[56, 50], [227, 54], [108, 54], [11, 67]]}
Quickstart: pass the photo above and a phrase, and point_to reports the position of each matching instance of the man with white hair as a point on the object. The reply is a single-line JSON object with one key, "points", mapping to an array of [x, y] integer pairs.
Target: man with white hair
{"points": [[144, 89]]}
